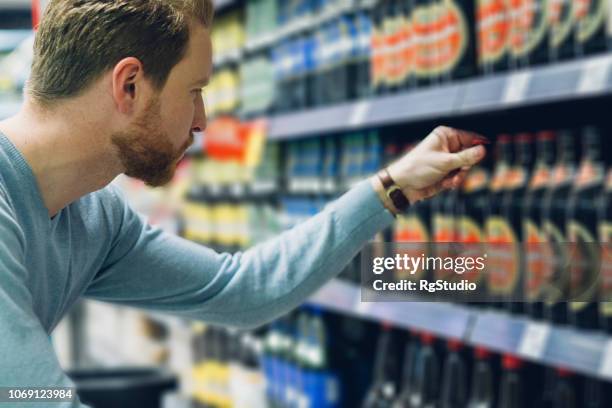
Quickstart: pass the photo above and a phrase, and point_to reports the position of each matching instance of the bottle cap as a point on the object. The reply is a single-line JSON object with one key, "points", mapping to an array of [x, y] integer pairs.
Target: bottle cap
{"points": [[523, 138], [482, 353], [511, 362], [564, 372], [454, 345], [504, 138], [427, 339], [546, 135]]}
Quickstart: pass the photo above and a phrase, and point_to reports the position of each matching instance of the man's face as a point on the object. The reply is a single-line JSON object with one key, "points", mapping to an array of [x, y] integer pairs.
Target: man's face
{"points": [[157, 140]]}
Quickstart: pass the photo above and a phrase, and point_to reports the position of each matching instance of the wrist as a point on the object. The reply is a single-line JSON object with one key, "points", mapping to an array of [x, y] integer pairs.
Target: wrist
{"points": [[382, 194]]}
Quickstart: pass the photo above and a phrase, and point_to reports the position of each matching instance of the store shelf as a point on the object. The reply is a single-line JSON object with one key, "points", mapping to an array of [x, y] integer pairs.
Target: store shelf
{"points": [[581, 351], [557, 82]]}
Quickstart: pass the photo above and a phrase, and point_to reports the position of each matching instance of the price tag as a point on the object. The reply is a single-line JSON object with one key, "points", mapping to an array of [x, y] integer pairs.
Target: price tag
{"points": [[534, 341], [359, 113], [516, 87], [594, 75], [606, 362]]}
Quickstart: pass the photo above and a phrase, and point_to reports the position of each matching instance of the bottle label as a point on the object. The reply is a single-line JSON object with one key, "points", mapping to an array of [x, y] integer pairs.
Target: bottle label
{"points": [[540, 178], [424, 49], [477, 179], [443, 232], [378, 57], [555, 263], [413, 232], [453, 34], [538, 269], [407, 49], [590, 16], [503, 256], [605, 237], [500, 179], [471, 234], [493, 30], [583, 265], [588, 174], [527, 25], [561, 20]]}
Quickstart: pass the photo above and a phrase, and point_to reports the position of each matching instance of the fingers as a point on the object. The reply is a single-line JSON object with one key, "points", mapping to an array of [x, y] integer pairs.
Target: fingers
{"points": [[466, 158], [456, 140]]}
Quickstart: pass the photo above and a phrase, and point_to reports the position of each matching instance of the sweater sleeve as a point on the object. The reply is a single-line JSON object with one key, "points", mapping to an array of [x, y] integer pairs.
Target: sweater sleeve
{"points": [[27, 358], [151, 269]]}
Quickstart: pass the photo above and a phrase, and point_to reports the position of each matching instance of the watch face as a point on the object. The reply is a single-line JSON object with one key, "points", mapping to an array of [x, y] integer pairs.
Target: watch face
{"points": [[399, 199]]}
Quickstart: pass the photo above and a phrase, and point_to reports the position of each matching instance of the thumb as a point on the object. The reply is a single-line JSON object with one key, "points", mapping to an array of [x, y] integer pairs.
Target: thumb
{"points": [[468, 157]]}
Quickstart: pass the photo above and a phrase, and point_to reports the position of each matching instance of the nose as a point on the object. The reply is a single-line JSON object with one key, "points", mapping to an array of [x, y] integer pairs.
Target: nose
{"points": [[199, 117]]}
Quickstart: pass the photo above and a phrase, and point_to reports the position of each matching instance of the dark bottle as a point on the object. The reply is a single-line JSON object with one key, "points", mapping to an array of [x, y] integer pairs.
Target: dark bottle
{"points": [[566, 391], [554, 223], [596, 394], [528, 33], [455, 377], [484, 377], [472, 207], [408, 372], [561, 37], [512, 391], [533, 237], [457, 46], [423, 25], [494, 224], [582, 233], [511, 228], [385, 385], [426, 392], [590, 33], [359, 67], [493, 34], [605, 239]]}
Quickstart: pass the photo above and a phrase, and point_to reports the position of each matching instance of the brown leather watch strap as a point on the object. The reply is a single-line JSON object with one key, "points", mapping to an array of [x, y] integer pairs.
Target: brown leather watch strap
{"points": [[393, 191]]}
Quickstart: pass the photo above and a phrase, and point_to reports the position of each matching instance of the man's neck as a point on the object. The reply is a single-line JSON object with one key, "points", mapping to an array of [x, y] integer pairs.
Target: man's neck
{"points": [[70, 156]]}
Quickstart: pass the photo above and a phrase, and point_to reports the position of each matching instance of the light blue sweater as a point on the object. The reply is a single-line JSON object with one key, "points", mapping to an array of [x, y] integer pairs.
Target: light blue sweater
{"points": [[99, 248]]}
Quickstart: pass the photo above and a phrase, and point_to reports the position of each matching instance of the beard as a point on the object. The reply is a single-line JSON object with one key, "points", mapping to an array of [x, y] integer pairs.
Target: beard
{"points": [[146, 151]]}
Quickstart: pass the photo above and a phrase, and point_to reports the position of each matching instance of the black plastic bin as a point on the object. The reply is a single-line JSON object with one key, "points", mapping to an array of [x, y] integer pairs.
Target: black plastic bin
{"points": [[123, 387]]}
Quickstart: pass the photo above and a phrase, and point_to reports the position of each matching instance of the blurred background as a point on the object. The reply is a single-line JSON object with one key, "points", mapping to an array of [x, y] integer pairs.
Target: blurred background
{"points": [[310, 96]]}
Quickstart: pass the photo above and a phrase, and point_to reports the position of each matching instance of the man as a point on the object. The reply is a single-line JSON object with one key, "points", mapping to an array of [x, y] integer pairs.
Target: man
{"points": [[116, 88]]}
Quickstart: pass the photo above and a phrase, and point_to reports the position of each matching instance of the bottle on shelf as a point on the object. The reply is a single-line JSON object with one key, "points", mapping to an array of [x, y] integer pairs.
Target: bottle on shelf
{"points": [[409, 373], [537, 270], [496, 239], [455, 377], [425, 393], [384, 388], [492, 23], [605, 241], [584, 259], [484, 379], [554, 224], [529, 30], [590, 33], [512, 390], [561, 37], [567, 390]]}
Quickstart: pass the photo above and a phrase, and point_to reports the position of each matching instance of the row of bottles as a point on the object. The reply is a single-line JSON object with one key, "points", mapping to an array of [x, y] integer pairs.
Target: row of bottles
{"points": [[311, 359], [416, 370], [380, 46], [540, 213]]}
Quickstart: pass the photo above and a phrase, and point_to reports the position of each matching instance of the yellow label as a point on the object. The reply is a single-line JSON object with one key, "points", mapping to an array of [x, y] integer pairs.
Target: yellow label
{"points": [[590, 15], [477, 179], [414, 232]]}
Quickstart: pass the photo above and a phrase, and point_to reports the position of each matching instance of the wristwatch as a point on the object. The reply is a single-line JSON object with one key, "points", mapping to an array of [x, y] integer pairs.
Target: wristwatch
{"points": [[393, 191]]}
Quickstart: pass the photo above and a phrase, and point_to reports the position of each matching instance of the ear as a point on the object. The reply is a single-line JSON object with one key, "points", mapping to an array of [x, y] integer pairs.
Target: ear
{"points": [[128, 80]]}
